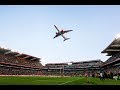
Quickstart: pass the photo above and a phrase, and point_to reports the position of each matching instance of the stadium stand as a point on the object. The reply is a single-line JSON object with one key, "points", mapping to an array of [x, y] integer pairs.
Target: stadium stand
{"points": [[14, 63], [91, 67], [54, 68], [112, 65], [75, 69]]}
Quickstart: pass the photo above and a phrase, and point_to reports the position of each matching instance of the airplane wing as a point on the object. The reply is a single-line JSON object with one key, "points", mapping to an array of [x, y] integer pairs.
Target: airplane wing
{"points": [[67, 31], [56, 28], [56, 36]]}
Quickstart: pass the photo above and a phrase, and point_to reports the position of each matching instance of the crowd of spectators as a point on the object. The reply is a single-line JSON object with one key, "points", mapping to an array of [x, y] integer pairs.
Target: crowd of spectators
{"points": [[12, 70], [15, 65], [85, 64], [18, 61], [75, 69], [111, 68]]}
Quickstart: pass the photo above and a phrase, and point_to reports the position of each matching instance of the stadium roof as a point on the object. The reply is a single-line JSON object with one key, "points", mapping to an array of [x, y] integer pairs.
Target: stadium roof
{"points": [[4, 50], [17, 54], [56, 64], [108, 62], [98, 60], [113, 48]]}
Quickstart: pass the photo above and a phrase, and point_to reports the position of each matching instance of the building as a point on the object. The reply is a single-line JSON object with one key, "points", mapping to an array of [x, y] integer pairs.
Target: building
{"points": [[113, 63], [15, 63], [81, 68], [54, 68], [75, 69]]}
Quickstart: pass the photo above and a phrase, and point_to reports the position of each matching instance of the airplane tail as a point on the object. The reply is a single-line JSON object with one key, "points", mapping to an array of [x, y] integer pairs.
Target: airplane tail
{"points": [[66, 39]]}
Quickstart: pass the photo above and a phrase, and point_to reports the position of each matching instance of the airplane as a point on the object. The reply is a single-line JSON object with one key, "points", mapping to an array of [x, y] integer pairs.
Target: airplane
{"points": [[61, 33]]}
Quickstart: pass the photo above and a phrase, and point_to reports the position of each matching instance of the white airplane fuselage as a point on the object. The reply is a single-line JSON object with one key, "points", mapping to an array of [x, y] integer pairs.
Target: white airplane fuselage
{"points": [[60, 32]]}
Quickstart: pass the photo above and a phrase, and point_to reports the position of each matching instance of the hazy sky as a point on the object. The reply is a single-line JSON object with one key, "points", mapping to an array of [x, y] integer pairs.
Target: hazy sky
{"points": [[30, 30]]}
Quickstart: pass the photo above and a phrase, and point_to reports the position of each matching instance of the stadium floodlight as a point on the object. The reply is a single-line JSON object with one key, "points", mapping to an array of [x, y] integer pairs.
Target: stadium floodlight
{"points": [[117, 36]]}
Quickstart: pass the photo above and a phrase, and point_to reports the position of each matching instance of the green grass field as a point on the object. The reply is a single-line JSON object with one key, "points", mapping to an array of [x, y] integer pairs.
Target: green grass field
{"points": [[38, 80]]}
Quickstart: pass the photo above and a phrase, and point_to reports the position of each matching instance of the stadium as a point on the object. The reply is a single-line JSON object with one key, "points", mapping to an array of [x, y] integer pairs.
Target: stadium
{"points": [[22, 69], [59, 45]]}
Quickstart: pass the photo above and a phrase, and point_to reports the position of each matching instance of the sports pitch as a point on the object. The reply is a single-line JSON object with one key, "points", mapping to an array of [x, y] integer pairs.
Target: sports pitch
{"points": [[38, 80]]}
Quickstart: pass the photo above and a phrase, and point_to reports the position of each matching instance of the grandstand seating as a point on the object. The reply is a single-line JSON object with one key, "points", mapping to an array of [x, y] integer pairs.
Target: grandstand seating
{"points": [[112, 64], [75, 69], [10, 64]]}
